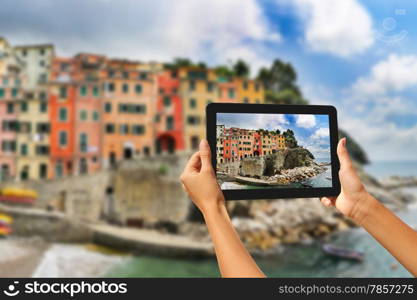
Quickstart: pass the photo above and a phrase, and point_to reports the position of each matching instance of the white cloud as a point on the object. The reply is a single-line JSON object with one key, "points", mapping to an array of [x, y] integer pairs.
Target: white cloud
{"points": [[320, 133], [215, 31], [305, 121], [341, 27], [395, 73]]}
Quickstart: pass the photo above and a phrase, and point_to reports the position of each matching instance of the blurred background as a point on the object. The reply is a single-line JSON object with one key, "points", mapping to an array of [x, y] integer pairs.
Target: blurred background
{"points": [[102, 102]]}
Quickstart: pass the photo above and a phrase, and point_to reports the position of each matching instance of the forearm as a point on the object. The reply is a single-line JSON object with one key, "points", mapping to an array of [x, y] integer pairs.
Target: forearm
{"points": [[396, 236], [233, 258]]}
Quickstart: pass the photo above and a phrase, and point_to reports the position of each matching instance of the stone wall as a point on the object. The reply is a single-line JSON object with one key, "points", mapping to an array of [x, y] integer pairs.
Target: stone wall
{"points": [[51, 226]]}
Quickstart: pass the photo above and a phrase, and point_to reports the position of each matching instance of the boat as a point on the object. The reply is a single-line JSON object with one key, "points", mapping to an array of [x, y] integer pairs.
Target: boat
{"points": [[5, 225], [17, 195], [344, 253], [256, 182]]}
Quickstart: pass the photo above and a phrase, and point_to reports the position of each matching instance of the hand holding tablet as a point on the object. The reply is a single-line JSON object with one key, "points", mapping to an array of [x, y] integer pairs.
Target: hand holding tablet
{"points": [[274, 151]]}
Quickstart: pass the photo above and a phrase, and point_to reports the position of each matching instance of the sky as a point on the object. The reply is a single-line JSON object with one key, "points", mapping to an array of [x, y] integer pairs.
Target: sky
{"points": [[311, 131], [360, 56]]}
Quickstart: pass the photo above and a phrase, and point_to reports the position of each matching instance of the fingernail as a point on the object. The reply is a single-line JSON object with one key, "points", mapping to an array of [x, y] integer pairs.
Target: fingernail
{"points": [[204, 145], [327, 202], [344, 142]]}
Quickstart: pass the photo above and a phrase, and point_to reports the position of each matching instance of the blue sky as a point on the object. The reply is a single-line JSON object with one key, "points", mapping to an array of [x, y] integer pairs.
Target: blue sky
{"points": [[360, 56], [311, 131]]}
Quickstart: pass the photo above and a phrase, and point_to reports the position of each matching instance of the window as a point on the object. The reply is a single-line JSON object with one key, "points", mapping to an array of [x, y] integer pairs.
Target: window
{"points": [[110, 87], [193, 120], [125, 88], [42, 63], [143, 76], [1, 93], [83, 115], [42, 51], [62, 92], [10, 126], [24, 52], [63, 138], [111, 73], [210, 86], [231, 93], [194, 142], [10, 108], [96, 91], [25, 127], [23, 107], [125, 75], [43, 106], [14, 92], [42, 150], [161, 90], [83, 90], [83, 142], [96, 116], [17, 82], [63, 114], [245, 85], [193, 103], [43, 78], [170, 123], [138, 129], [8, 146], [257, 86], [246, 100], [138, 89], [192, 85], [24, 149], [110, 128], [42, 96], [167, 101], [42, 128], [107, 107], [124, 129], [5, 81]]}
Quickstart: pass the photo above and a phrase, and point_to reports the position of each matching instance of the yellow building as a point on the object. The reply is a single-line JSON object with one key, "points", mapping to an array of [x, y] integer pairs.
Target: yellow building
{"points": [[198, 87], [34, 127], [249, 91]]}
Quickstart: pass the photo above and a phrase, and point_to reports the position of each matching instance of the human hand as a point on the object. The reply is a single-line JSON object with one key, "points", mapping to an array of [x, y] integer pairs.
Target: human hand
{"points": [[199, 180], [353, 201]]}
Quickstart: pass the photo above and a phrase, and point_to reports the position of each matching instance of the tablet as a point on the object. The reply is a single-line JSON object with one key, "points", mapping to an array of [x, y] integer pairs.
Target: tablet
{"points": [[262, 151]]}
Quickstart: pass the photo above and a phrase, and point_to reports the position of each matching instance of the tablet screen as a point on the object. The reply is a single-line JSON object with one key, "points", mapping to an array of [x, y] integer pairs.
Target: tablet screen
{"points": [[263, 151]]}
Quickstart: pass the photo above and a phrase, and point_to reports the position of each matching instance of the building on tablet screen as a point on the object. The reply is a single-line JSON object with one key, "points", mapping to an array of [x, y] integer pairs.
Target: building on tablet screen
{"points": [[272, 150]]}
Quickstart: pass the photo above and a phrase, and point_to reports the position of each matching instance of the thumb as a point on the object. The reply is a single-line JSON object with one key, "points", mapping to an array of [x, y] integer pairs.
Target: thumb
{"points": [[343, 154], [205, 155]]}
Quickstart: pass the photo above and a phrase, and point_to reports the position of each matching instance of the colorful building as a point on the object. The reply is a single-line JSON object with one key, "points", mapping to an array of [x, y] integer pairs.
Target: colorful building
{"points": [[62, 93], [33, 118], [11, 80], [169, 120], [128, 112], [72, 116]]}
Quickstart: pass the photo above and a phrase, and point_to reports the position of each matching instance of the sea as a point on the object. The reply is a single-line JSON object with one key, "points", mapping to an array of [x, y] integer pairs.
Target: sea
{"points": [[296, 261]]}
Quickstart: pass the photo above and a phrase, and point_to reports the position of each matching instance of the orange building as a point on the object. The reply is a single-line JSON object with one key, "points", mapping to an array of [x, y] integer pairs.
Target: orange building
{"points": [[128, 112], [169, 114], [62, 93]]}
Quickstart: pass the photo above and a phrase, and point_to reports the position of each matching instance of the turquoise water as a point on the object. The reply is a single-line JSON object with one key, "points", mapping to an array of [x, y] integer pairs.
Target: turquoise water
{"points": [[383, 169], [297, 261]]}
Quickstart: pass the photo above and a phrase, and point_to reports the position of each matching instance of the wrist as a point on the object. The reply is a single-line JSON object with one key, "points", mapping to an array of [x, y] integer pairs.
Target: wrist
{"points": [[365, 206], [213, 208]]}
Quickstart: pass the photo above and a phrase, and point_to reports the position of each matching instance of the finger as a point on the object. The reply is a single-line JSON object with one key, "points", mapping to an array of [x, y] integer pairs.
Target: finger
{"points": [[328, 201], [205, 155], [193, 163], [343, 154]]}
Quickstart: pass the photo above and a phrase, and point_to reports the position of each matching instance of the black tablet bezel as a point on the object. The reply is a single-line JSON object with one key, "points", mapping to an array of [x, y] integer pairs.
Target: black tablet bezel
{"points": [[213, 108]]}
